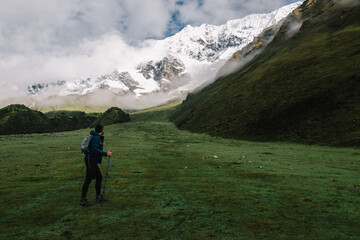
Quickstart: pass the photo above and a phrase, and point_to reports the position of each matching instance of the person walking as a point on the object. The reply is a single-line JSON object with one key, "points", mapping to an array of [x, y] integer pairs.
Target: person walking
{"points": [[92, 161]]}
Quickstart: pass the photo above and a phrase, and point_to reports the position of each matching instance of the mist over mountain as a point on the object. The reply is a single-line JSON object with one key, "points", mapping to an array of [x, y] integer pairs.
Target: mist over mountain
{"points": [[158, 71]]}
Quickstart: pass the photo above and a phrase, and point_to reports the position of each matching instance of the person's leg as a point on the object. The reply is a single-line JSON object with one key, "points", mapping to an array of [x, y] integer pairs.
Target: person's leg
{"points": [[86, 184], [98, 183]]}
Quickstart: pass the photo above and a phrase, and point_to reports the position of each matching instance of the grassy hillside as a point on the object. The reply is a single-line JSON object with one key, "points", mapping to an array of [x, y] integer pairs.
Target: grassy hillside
{"points": [[303, 89], [19, 119], [169, 184]]}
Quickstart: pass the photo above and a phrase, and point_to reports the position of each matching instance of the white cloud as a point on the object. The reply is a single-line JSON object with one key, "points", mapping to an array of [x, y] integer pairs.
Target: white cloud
{"points": [[42, 25], [91, 58], [147, 19], [219, 11]]}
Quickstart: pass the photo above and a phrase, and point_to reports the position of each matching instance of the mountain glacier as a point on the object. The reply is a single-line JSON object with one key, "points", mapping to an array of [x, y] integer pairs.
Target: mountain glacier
{"points": [[190, 58]]}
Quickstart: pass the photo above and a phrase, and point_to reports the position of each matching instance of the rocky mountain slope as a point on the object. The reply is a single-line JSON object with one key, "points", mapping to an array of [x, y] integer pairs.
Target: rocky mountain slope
{"points": [[303, 87], [247, 53]]}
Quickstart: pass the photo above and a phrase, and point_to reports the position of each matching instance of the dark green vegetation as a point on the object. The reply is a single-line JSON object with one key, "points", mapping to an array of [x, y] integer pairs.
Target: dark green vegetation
{"points": [[20, 119], [70, 120], [15, 119], [305, 88], [111, 116], [169, 184]]}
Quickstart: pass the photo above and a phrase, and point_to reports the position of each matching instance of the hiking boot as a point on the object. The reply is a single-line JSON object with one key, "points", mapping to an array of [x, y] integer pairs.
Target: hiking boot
{"points": [[99, 198], [84, 202]]}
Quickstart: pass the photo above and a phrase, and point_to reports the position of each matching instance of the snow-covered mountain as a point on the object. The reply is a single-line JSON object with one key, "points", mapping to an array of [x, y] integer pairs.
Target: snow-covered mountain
{"points": [[191, 58], [211, 43]]}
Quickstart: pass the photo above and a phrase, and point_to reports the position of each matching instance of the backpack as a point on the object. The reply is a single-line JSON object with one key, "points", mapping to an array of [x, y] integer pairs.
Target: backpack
{"points": [[85, 145]]}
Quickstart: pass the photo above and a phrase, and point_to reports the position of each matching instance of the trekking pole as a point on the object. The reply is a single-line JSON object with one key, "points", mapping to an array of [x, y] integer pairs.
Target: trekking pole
{"points": [[107, 170]]}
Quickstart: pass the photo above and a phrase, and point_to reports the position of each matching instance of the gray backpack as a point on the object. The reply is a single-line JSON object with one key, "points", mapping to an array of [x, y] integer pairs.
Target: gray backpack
{"points": [[85, 145]]}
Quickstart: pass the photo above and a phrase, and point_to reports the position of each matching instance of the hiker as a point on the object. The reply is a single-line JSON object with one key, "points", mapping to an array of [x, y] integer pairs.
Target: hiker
{"points": [[92, 161]]}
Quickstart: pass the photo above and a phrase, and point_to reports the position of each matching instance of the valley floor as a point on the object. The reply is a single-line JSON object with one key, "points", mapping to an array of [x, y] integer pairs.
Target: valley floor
{"points": [[169, 184]]}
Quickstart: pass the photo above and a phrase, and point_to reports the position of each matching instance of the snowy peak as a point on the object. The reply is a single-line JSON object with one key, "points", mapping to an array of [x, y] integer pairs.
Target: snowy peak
{"points": [[43, 87], [153, 76], [169, 67], [119, 80], [170, 73], [210, 43]]}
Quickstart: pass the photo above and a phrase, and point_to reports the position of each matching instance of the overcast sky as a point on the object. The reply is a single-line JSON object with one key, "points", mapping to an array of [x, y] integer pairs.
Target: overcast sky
{"points": [[37, 37]]}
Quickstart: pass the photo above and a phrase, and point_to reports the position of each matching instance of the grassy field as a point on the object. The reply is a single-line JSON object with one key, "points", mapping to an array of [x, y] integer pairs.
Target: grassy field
{"points": [[169, 184]]}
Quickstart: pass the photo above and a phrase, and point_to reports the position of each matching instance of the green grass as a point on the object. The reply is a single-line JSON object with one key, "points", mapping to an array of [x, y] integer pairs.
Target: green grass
{"points": [[72, 108], [166, 184], [70, 114]]}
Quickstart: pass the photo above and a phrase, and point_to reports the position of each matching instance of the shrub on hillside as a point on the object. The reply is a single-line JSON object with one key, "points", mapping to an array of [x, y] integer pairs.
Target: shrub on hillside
{"points": [[112, 116]]}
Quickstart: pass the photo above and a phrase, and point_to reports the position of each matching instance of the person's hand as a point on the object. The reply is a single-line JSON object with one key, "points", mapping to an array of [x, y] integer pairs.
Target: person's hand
{"points": [[109, 153]]}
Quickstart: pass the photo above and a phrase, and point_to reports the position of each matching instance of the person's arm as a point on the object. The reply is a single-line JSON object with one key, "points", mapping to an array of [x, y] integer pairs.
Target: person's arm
{"points": [[96, 147]]}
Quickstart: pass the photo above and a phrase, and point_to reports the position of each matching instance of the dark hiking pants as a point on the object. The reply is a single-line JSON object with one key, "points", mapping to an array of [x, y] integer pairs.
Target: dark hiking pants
{"points": [[92, 172]]}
